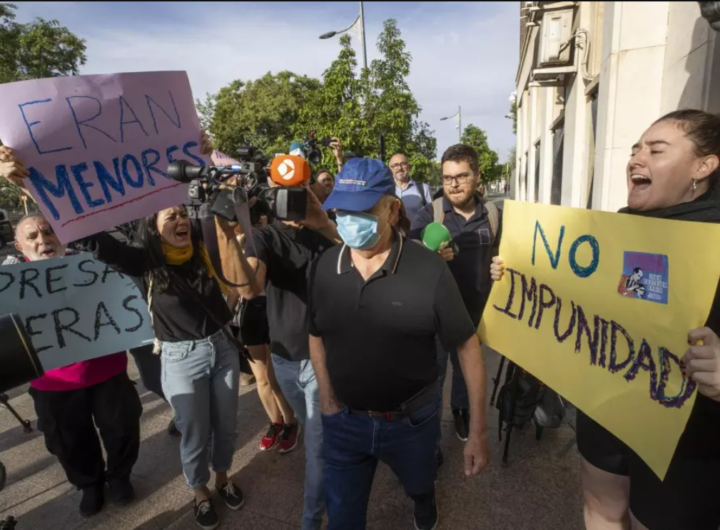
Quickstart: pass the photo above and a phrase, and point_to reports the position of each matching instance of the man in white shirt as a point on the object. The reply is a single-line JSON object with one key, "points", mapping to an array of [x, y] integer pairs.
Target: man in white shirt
{"points": [[413, 195]]}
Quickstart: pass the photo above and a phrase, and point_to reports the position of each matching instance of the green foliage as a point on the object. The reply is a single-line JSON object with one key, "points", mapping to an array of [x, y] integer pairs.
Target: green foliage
{"points": [[512, 155], [37, 49], [10, 196], [513, 115], [34, 50], [260, 112], [359, 108], [488, 159], [355, 106]]}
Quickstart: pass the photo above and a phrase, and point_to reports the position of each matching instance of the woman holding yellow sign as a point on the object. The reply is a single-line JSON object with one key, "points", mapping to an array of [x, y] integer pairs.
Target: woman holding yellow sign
{"points": [[673, 173]]}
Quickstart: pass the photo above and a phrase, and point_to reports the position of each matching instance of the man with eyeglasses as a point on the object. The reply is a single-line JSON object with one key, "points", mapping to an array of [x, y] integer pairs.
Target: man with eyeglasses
{"points": [[474, 226], [413, 195]]}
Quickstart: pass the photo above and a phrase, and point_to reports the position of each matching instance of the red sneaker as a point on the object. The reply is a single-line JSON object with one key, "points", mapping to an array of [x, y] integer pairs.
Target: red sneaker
{"points": [[271, 436], [289, 437]]}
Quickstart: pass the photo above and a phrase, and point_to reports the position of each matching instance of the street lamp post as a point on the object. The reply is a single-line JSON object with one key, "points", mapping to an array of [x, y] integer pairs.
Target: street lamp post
{"points": [[458, 118], [357, 29]]}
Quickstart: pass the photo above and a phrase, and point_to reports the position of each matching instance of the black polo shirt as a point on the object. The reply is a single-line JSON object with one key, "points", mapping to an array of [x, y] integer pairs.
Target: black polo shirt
{"points": [[287, 253], [474, 238], [379, 335]]}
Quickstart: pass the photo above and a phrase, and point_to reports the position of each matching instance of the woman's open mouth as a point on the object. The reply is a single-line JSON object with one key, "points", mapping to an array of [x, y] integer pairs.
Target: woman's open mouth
{"points": [[182, 233], [640, 182]]}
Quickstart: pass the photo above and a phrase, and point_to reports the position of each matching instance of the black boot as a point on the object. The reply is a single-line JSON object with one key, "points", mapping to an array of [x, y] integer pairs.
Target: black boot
{"points": [[92, 500], [122, 491], [172, 429]]}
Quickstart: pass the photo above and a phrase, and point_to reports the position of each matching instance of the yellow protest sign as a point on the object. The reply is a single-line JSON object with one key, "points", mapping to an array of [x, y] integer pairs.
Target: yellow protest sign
{"points": [[598, 306]]}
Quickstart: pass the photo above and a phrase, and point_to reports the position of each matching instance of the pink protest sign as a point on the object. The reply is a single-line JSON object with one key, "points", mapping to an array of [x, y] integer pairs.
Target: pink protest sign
{"points": [[221, 159], [97, 147]]}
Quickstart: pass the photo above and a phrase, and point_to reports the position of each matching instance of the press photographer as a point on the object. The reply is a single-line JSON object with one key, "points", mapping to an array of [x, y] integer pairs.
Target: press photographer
{"points": [[310, 150], [278, 264]]}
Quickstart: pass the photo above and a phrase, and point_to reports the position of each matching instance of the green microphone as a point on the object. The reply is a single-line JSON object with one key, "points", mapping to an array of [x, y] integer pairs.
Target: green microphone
{"points": [[436, 237]]}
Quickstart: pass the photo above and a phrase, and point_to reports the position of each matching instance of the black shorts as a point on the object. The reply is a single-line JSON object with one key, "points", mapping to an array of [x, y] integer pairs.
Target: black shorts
{"points": [[254, 327], [689, 497]]}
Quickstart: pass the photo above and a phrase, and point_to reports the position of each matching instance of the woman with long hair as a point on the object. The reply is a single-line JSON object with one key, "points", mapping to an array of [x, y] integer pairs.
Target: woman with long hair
{"points": [[672, 174], [200, 361]]}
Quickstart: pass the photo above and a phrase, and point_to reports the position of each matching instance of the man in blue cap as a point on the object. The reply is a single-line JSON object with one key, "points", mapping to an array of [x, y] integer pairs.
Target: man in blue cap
{"points": [[375, 305]]}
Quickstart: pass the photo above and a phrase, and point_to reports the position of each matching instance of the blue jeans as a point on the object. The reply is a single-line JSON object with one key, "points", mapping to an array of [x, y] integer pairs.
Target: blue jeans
{"points": [[458, 394], [299, 386], [353, 446], [200, 380]]}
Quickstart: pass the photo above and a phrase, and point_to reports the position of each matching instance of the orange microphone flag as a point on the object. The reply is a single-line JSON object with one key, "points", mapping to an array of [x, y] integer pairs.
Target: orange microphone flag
{"points": [[289, 170]]}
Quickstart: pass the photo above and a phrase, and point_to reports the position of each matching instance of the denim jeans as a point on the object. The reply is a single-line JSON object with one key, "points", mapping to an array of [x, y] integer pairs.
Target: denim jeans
{"points": [[299, 386], [200, 380], [353, 446], [458, 394]]}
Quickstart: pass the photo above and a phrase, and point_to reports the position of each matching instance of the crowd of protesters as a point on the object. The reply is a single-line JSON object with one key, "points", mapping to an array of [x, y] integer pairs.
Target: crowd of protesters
{"points": [[348, 324]]}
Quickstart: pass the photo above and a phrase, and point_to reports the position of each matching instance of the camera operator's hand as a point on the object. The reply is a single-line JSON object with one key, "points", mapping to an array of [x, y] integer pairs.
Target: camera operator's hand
{"points": [[315, 217], [11, 168], [336, 147], [206, 146]]}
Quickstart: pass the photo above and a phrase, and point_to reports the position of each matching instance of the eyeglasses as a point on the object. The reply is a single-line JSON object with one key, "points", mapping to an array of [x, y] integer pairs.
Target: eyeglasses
{"points": [[399, 165], [460, 179]]}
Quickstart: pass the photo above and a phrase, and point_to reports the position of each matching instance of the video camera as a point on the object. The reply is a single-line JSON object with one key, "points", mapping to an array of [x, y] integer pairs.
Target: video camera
{"points": [[314, 156], [286, 202], [20, 363]]}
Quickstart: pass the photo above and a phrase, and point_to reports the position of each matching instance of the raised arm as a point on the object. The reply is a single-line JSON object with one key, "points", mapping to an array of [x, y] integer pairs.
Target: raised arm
{"points": [[120, 256], [247, 271]]}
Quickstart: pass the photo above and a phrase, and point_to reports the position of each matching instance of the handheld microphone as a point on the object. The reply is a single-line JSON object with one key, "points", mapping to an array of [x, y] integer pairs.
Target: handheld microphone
{"points": [[436, 237], [289, 170]]}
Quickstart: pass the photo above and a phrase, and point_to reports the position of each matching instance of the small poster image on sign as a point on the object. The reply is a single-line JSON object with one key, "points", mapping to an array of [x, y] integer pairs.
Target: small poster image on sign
{"points": [[645, 276]]}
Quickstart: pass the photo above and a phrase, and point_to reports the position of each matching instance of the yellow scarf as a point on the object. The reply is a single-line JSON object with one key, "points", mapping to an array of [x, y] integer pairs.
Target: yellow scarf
{"points": [[178, 256]]}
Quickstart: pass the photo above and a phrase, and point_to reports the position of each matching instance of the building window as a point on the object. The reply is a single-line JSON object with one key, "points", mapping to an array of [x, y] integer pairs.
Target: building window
{"points": [[558, 147], [592, 133], [537, 172], [525, 177]]}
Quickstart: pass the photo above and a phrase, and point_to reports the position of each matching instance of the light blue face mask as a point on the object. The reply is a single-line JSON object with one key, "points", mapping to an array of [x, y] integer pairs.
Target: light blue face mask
{"points": [[358, 230]]}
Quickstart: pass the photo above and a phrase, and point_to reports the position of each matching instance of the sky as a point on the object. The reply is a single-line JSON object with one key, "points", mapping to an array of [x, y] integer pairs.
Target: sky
{"points": [[464, 53]]}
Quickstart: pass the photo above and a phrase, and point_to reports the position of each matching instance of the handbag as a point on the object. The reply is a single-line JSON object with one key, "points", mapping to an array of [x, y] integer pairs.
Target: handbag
{"points": [[187, 289]]}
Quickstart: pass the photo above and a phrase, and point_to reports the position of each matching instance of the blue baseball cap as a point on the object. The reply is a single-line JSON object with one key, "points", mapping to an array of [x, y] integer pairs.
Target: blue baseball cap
{"points": [[360, 185]]}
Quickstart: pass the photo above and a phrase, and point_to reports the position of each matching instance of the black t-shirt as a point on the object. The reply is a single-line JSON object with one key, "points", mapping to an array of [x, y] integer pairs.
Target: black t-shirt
{"points": [[379, 335], [177, 316], [287, 253], [475, 241]]}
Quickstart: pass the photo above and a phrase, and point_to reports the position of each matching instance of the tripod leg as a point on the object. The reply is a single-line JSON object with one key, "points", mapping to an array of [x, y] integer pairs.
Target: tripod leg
{"points": [[496, 381], [25, 423], [514, 373]]}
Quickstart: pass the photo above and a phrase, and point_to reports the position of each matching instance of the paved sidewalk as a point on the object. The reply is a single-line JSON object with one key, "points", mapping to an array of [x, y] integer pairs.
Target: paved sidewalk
{"points": [[538, 490]]}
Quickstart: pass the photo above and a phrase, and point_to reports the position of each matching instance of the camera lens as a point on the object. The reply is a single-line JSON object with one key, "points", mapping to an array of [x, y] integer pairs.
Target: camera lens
{"points": [[314, 156]]}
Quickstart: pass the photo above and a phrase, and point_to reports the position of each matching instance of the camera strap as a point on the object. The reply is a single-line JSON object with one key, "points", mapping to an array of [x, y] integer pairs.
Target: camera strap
{"points": [[207, 222], [183, 286]]}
